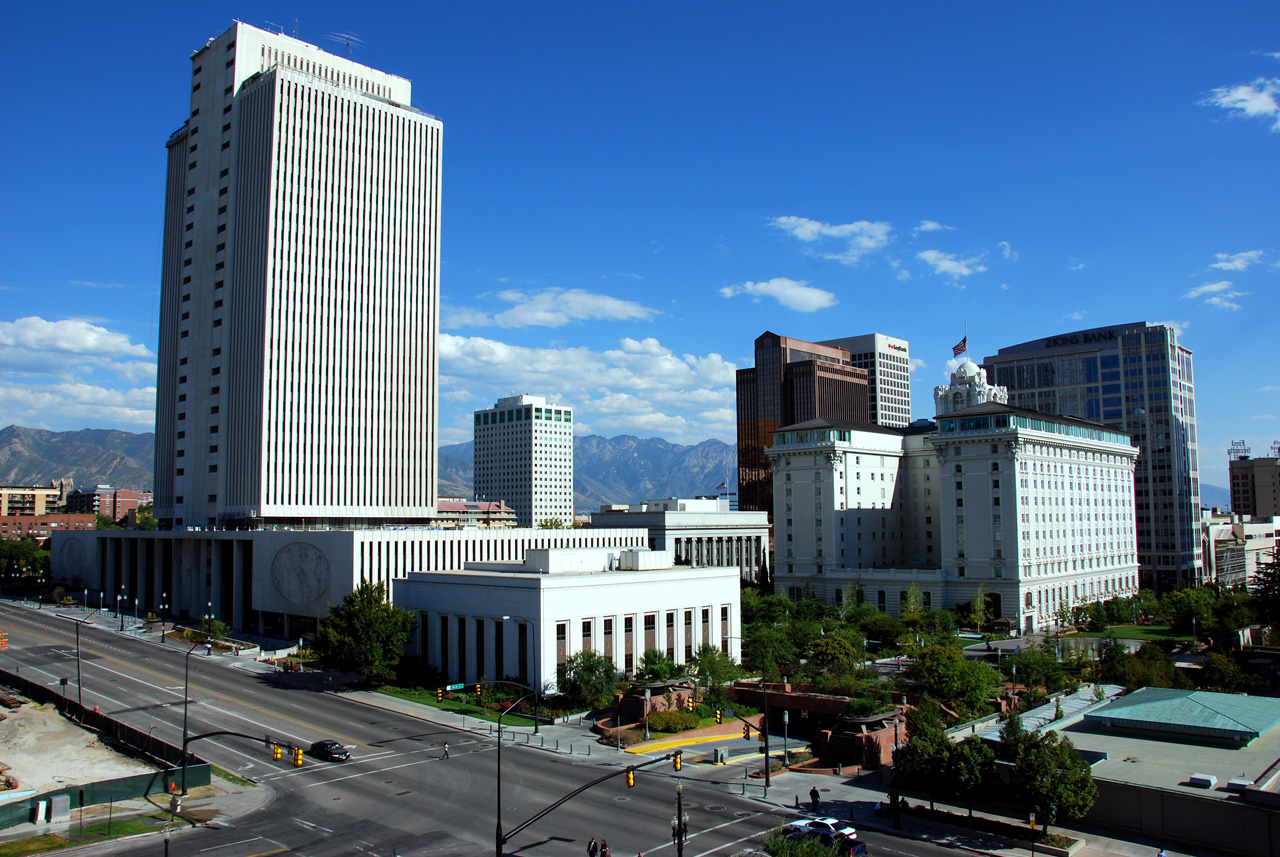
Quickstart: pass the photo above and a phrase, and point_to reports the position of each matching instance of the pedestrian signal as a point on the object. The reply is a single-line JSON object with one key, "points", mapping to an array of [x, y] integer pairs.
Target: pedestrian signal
{"points": [[439, 694], [631, 778], [719, 716], [297, 757], [675, 761], [275, 752]]}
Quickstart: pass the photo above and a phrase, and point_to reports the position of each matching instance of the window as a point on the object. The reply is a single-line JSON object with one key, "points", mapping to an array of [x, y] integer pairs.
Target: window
{"points": [[217, 370], [213, 448], [213, 391], [217, 322], [213, 410], [223, 174], [213, 498], [226, 145], [213, 468]]}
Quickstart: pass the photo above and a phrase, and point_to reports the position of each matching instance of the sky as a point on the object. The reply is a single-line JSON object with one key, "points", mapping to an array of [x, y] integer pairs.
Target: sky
{"points": [[634, 192]]}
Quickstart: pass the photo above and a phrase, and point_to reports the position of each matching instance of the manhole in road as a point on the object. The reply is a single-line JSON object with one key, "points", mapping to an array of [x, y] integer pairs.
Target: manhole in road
{"points": [[622, 799], [743, 814], [714, 807]]}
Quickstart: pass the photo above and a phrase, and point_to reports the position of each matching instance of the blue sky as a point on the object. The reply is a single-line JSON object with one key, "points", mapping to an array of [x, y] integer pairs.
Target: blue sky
{"points": [[634, 192]]}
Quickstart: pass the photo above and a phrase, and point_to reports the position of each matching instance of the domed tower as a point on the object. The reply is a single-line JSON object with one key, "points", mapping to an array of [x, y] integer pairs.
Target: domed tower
{"points": [[968, 387]]}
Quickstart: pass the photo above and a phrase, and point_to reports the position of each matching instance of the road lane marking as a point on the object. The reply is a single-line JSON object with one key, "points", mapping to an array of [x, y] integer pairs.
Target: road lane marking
{"points": [[229, 844], [368, 773], [312, 826], [708, 830]]}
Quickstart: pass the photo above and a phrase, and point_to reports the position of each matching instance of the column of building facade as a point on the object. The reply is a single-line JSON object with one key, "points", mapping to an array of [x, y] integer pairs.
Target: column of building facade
{"points": [[237, 584]]}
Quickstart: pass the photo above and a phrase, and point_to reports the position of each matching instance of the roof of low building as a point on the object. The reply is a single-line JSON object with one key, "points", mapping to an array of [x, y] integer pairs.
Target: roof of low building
{"points": [[1197, 713]]}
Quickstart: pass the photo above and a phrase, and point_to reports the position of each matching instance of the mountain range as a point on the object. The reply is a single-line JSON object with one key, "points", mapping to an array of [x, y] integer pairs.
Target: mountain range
{"points": [[621, 469]]}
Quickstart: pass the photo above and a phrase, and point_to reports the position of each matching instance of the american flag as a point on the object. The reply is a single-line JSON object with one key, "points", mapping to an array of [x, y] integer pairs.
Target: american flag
{"points": [[961, 347], [721, 487]]}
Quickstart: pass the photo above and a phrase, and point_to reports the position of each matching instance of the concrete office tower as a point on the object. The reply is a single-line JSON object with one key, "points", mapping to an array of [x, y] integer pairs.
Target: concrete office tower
{"points": [[792, 381], [1138, 379], [1255, 482], [299, 293], [524, 455], [888, 364]]}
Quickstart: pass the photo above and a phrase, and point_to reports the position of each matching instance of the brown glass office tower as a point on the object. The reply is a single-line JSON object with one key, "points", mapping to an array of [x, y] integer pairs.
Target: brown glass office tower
{"points": [[792, 381]]}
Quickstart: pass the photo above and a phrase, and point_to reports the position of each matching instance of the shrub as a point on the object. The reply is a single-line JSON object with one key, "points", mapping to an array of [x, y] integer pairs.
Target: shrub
{"points": [[672, 721]]}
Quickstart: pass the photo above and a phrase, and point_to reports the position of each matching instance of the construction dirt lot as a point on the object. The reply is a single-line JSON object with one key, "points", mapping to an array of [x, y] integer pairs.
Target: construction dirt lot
{"points": [[44, 751]]}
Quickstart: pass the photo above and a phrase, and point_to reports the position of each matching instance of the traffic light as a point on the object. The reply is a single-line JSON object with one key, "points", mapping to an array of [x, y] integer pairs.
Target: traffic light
{"points": [[688, 703], [477, 691], [746, 730], [297, 757], [439, 694], [276, 752], [719, 716], [675, 760], [631, 778]]}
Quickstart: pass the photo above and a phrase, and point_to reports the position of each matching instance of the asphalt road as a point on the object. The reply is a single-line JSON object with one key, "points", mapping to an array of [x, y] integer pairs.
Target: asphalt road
{"points": [[396, 795]]}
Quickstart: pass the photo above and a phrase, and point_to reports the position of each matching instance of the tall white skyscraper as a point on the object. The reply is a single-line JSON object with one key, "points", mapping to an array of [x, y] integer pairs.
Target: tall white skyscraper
{"points": [[524, 455], [297, 373], [887, 360]]}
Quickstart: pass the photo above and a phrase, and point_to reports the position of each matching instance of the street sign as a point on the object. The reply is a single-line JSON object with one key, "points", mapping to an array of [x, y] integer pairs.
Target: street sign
{"points": [[454, 686]]}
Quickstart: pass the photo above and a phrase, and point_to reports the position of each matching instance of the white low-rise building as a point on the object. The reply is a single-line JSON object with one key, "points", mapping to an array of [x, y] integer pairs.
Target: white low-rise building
{"points": [[522, 620], [1235, 545]]}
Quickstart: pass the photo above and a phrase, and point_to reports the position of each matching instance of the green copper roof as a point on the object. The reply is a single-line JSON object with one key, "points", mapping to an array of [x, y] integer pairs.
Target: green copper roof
{"points": [[1194, 713]]}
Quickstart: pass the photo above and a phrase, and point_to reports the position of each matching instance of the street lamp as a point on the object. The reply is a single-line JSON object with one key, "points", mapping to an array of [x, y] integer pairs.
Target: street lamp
{"points": [[164, 608], [499, 838], [537, 669], [120, 606], [186, 698], [897, 807], [679, 821]]}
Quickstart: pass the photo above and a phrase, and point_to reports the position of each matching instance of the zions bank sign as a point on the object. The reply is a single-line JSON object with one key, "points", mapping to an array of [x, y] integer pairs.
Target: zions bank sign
{"points": [[1084, 337]]}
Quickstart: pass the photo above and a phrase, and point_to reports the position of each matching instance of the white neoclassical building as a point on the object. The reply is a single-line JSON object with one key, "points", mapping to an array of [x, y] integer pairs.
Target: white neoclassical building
{"points": [[522, 620], [1035, 511]]}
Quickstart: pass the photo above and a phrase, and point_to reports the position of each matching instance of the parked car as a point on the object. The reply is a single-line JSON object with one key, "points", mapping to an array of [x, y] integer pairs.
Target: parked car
{"points": [[845, 845], [330, 751], [819, 826]]}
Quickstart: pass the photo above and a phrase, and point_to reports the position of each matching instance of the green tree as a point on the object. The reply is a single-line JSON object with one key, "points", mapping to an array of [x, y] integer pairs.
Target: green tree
{"points": [[951, 678], [980, 612], [1063, 615], [911, 611], [1036, 668], [655, 666], [587, 677], [1095, 616], [364, 634], [1052, 780], [778, 844], [769, 650], [835, 654], [1145, 604], [882, 628], [971, 769], [102, 522], [711, 669], [551, 524], [1266, 592], [927, 752], [1014, 739], [145, 518]]}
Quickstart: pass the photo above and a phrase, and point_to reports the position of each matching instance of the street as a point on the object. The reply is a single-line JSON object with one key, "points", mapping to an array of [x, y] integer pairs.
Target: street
{"points": [[396, 795]]}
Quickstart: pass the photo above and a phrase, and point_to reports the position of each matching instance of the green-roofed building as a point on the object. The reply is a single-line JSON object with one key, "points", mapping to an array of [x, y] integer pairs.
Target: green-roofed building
{"points": [[1198, 714]]}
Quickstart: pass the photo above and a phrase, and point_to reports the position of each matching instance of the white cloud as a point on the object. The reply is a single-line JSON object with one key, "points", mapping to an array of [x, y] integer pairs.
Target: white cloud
{"points": [[1221, 294], [1179, 327], [641, 385], [1271, 389], [1075, 264], [1004, 287], [796, 294], [1237, 261], [903, 274], [550, 308], [1264, 416], [1256, 100], [951, 265], [69, 336], [914, 363], [1078, 315], [72, 405], [862, 236], [930, 226], [1007, 250]]}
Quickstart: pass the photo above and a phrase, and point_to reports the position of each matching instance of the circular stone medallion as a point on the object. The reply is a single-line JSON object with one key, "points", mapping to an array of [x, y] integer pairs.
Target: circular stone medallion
{"points": [[300, 573]]}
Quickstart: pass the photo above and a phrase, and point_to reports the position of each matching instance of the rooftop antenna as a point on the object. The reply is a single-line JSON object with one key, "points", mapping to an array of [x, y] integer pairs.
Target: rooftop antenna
{"points": [[279, 28], [349, 39], [1275, 449], [295, 28]]}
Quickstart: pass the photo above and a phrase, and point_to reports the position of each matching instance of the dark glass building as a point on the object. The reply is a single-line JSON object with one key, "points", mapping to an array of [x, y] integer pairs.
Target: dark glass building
{"points": [[793, 381]]}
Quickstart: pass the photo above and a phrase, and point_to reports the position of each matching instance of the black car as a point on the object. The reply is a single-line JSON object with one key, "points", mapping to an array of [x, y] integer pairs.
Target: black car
{"points": [[330, 751]]}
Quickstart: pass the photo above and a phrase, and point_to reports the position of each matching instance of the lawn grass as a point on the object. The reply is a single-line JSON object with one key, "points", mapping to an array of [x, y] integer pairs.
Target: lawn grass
{"points": [[1138, 632], [34, 845], [73, 835], [428, 697], [232, 778]]}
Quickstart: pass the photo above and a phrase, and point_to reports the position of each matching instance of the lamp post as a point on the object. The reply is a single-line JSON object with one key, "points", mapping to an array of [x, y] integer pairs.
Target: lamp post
{"points": [[164, 608], [537, 669], [679, 821], [500, 839], [186, 698], [120, 606], [897, 807], [135, 612]]}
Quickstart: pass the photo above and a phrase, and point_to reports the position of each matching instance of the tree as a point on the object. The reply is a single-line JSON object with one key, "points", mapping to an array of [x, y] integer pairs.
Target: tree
{"points": [[1014, 739], [365, 634], [1266, 592], [1051, 779], [711, 669], [911, 611], [655, 666], [882, 628], [587, 677], [979, 613], [768, 650], [927, 752], [551, 524], [102, 522], [835, 654], [1063, 615], [145, 519], [971, 768], [1145, 604], [1038, 668], [951, 678], [1095, 615]]}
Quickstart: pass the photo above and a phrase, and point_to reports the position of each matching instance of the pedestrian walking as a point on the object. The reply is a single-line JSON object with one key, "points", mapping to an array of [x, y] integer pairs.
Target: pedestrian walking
{"points": [[446, 751], [593, 848], [813, 798], [605, 850], [1162, 854]]}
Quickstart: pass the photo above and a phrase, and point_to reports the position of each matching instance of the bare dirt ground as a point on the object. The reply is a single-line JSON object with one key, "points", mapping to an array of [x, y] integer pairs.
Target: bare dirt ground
{"points": [[45, 751]]}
